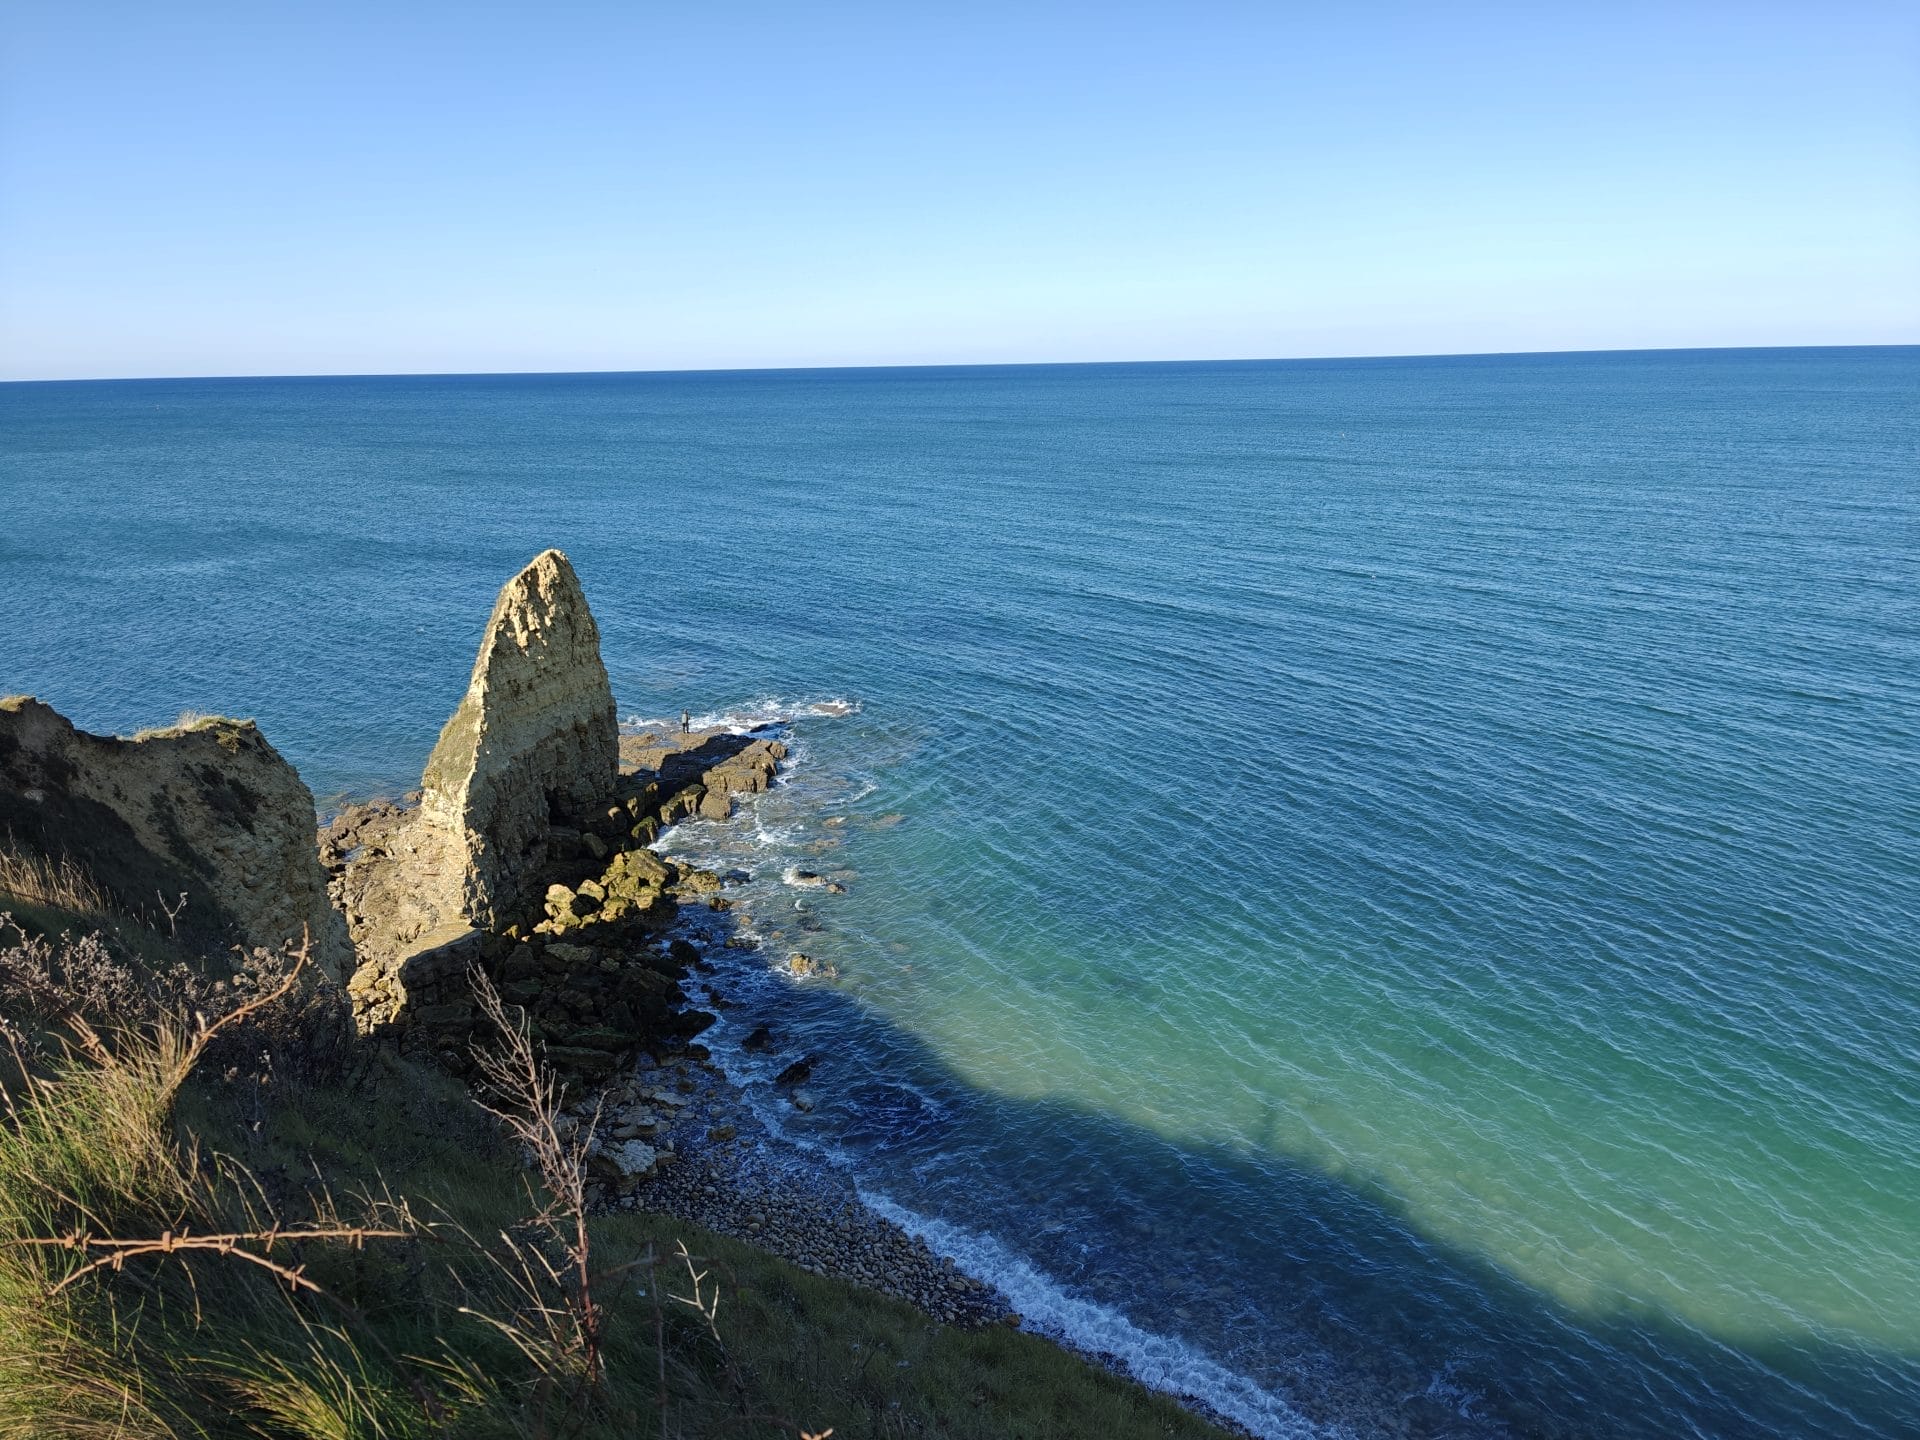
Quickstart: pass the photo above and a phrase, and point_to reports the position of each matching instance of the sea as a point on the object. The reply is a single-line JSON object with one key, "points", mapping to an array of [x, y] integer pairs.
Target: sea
{"points": [[1379, 895]]}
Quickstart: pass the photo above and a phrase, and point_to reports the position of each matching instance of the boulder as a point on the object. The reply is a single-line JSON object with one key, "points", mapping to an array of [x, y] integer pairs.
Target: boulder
{"points": [[798, 1073], [630, 1157], [206, 809]]}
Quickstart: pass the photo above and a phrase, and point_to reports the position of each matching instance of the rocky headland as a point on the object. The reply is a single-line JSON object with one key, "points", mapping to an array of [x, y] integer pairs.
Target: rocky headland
{"points": [[529, 856], [526, 855]]}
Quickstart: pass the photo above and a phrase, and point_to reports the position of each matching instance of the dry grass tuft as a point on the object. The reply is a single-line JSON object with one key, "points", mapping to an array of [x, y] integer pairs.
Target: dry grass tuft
{"points": [[51, 884]]}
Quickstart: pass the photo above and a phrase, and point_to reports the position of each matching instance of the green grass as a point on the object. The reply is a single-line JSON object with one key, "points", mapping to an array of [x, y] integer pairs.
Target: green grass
{"points": [[434, 1334]]}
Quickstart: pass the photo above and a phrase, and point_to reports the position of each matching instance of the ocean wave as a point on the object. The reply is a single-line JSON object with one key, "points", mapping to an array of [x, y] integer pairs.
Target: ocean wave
{"points": [[1159, 1362], [753, 715]]}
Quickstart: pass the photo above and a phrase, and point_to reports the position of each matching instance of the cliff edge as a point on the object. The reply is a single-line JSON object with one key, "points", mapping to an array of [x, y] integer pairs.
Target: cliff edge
{"points": [[206, 809]]}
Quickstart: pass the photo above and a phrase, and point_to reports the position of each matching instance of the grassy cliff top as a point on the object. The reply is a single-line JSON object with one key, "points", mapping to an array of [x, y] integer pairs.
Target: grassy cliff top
{"points": [[436, 1290]]}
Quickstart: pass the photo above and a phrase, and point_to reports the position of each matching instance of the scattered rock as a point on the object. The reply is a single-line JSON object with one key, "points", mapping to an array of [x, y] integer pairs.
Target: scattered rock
{"points": [[631, 1157]]}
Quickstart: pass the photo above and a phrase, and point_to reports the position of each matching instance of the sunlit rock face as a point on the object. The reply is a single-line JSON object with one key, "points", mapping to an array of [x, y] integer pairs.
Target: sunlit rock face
{"points": [[528, 758], [535, 742], [201, 829]]}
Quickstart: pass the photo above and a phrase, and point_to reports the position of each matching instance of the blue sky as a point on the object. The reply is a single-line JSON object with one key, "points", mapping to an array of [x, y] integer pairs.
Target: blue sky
{"points": [[295, 188]]}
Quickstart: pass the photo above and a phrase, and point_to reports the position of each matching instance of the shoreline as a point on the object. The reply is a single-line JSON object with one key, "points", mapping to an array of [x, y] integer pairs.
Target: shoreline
{"points": [[727, 1171], [718, 1164], [714, 1161], [721, 1167]]}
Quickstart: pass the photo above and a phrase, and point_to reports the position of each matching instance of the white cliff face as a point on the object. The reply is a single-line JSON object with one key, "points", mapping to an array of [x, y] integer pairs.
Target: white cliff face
{"points": [[535, 741], [208, 809]]}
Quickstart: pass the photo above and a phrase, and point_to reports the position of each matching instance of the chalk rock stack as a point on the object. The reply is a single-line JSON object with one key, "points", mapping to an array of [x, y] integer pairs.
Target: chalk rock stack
{"points": [[535, 738], [526, 856], [532, 748], [205, 809]]}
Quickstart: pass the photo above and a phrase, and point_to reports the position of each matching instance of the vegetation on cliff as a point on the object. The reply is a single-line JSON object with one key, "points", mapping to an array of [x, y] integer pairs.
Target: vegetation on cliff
{"points": [[228, 1215]]}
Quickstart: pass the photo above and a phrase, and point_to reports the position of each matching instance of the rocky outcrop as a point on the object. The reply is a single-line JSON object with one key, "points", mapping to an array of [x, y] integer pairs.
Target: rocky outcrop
{"points": [[591, 965], [531, 751], [535, 740], [701, 773], [526, 851], [206, 809]]}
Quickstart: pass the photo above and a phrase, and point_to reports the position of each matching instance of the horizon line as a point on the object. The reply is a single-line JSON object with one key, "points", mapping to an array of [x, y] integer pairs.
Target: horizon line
{"points": [[948, 365]]}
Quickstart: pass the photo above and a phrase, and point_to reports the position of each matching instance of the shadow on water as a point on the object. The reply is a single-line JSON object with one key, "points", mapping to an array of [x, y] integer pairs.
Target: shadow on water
{"points": [[1328, 1296]]}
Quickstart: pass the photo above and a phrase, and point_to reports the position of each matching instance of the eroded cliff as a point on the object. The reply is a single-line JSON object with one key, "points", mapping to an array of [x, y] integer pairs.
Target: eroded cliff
{"points": [[526, 855], [207, 810]]}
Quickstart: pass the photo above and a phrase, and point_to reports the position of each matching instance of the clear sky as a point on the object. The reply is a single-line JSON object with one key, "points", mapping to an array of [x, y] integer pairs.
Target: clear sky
{"points": [[311, 186]]}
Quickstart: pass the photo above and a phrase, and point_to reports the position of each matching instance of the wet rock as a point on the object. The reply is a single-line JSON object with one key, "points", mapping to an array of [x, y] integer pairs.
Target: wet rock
{"points": [[760, 1041], [693, 881], [798, 1073]]}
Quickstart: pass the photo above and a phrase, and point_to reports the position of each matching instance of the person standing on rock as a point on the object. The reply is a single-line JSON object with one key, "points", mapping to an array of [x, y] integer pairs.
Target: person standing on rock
{"points": [[686, 722]]}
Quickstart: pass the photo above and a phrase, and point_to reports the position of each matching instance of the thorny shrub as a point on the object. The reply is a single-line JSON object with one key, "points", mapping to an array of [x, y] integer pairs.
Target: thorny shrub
{"points": [[304, 1035]]}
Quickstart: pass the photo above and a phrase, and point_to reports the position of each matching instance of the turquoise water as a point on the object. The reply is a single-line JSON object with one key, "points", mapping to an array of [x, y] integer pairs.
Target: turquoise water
{"points": [[1382, 893]]}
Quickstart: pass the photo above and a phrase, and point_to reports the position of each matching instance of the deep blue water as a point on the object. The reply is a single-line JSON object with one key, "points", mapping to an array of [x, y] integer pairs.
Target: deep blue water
{"points": [[1381, 892]]}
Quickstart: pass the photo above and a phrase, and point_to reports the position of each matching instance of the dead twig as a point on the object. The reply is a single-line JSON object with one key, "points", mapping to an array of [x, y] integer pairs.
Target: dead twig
{"points": [[112, 1253], [526, 1098]]}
